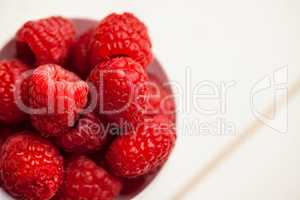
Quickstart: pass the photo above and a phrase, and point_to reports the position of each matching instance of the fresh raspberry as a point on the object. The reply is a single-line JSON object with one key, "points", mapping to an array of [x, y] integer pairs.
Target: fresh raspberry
{"points": [[51, 125], [31, 168], [80, 59], [87, 136], [84, 180], [142, 152], [60, 93], [122, 91], [45, 41], [121, 35], [11, 91]]}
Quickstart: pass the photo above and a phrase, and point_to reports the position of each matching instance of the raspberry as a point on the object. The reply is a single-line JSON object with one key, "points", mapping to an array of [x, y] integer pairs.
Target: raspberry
{"points": [[88, 136], [45, 41], [80, 60], [85, 180], [10, 79], [142, 152], [60, 93], [121, 35], [30, 167], [122, 91], [51, 125]]}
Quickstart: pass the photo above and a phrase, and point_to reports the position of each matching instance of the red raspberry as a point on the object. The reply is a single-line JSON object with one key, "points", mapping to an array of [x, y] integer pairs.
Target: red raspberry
{"points": [[51, 125], [88, 136], [31, 168], [142, 152], [60, 93], [45, 41], [84, 180], [121, 35], [122, 91], [80, 60], [10, 79]]}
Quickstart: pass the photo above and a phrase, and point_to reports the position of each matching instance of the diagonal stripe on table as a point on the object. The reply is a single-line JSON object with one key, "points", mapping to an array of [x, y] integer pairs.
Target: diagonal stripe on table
{"points": [[231, 147]]}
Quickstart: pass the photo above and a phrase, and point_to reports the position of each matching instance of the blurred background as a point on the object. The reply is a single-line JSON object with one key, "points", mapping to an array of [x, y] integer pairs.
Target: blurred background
{"points": [[235, 70]]}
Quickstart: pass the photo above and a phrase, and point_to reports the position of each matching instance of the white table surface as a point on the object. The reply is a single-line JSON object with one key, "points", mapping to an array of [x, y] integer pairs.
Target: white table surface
{"points": [[215, 41]]}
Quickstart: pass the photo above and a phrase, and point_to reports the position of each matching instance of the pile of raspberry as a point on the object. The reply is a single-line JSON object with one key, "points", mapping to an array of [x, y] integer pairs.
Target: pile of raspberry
{"points": [[80, 116]]}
